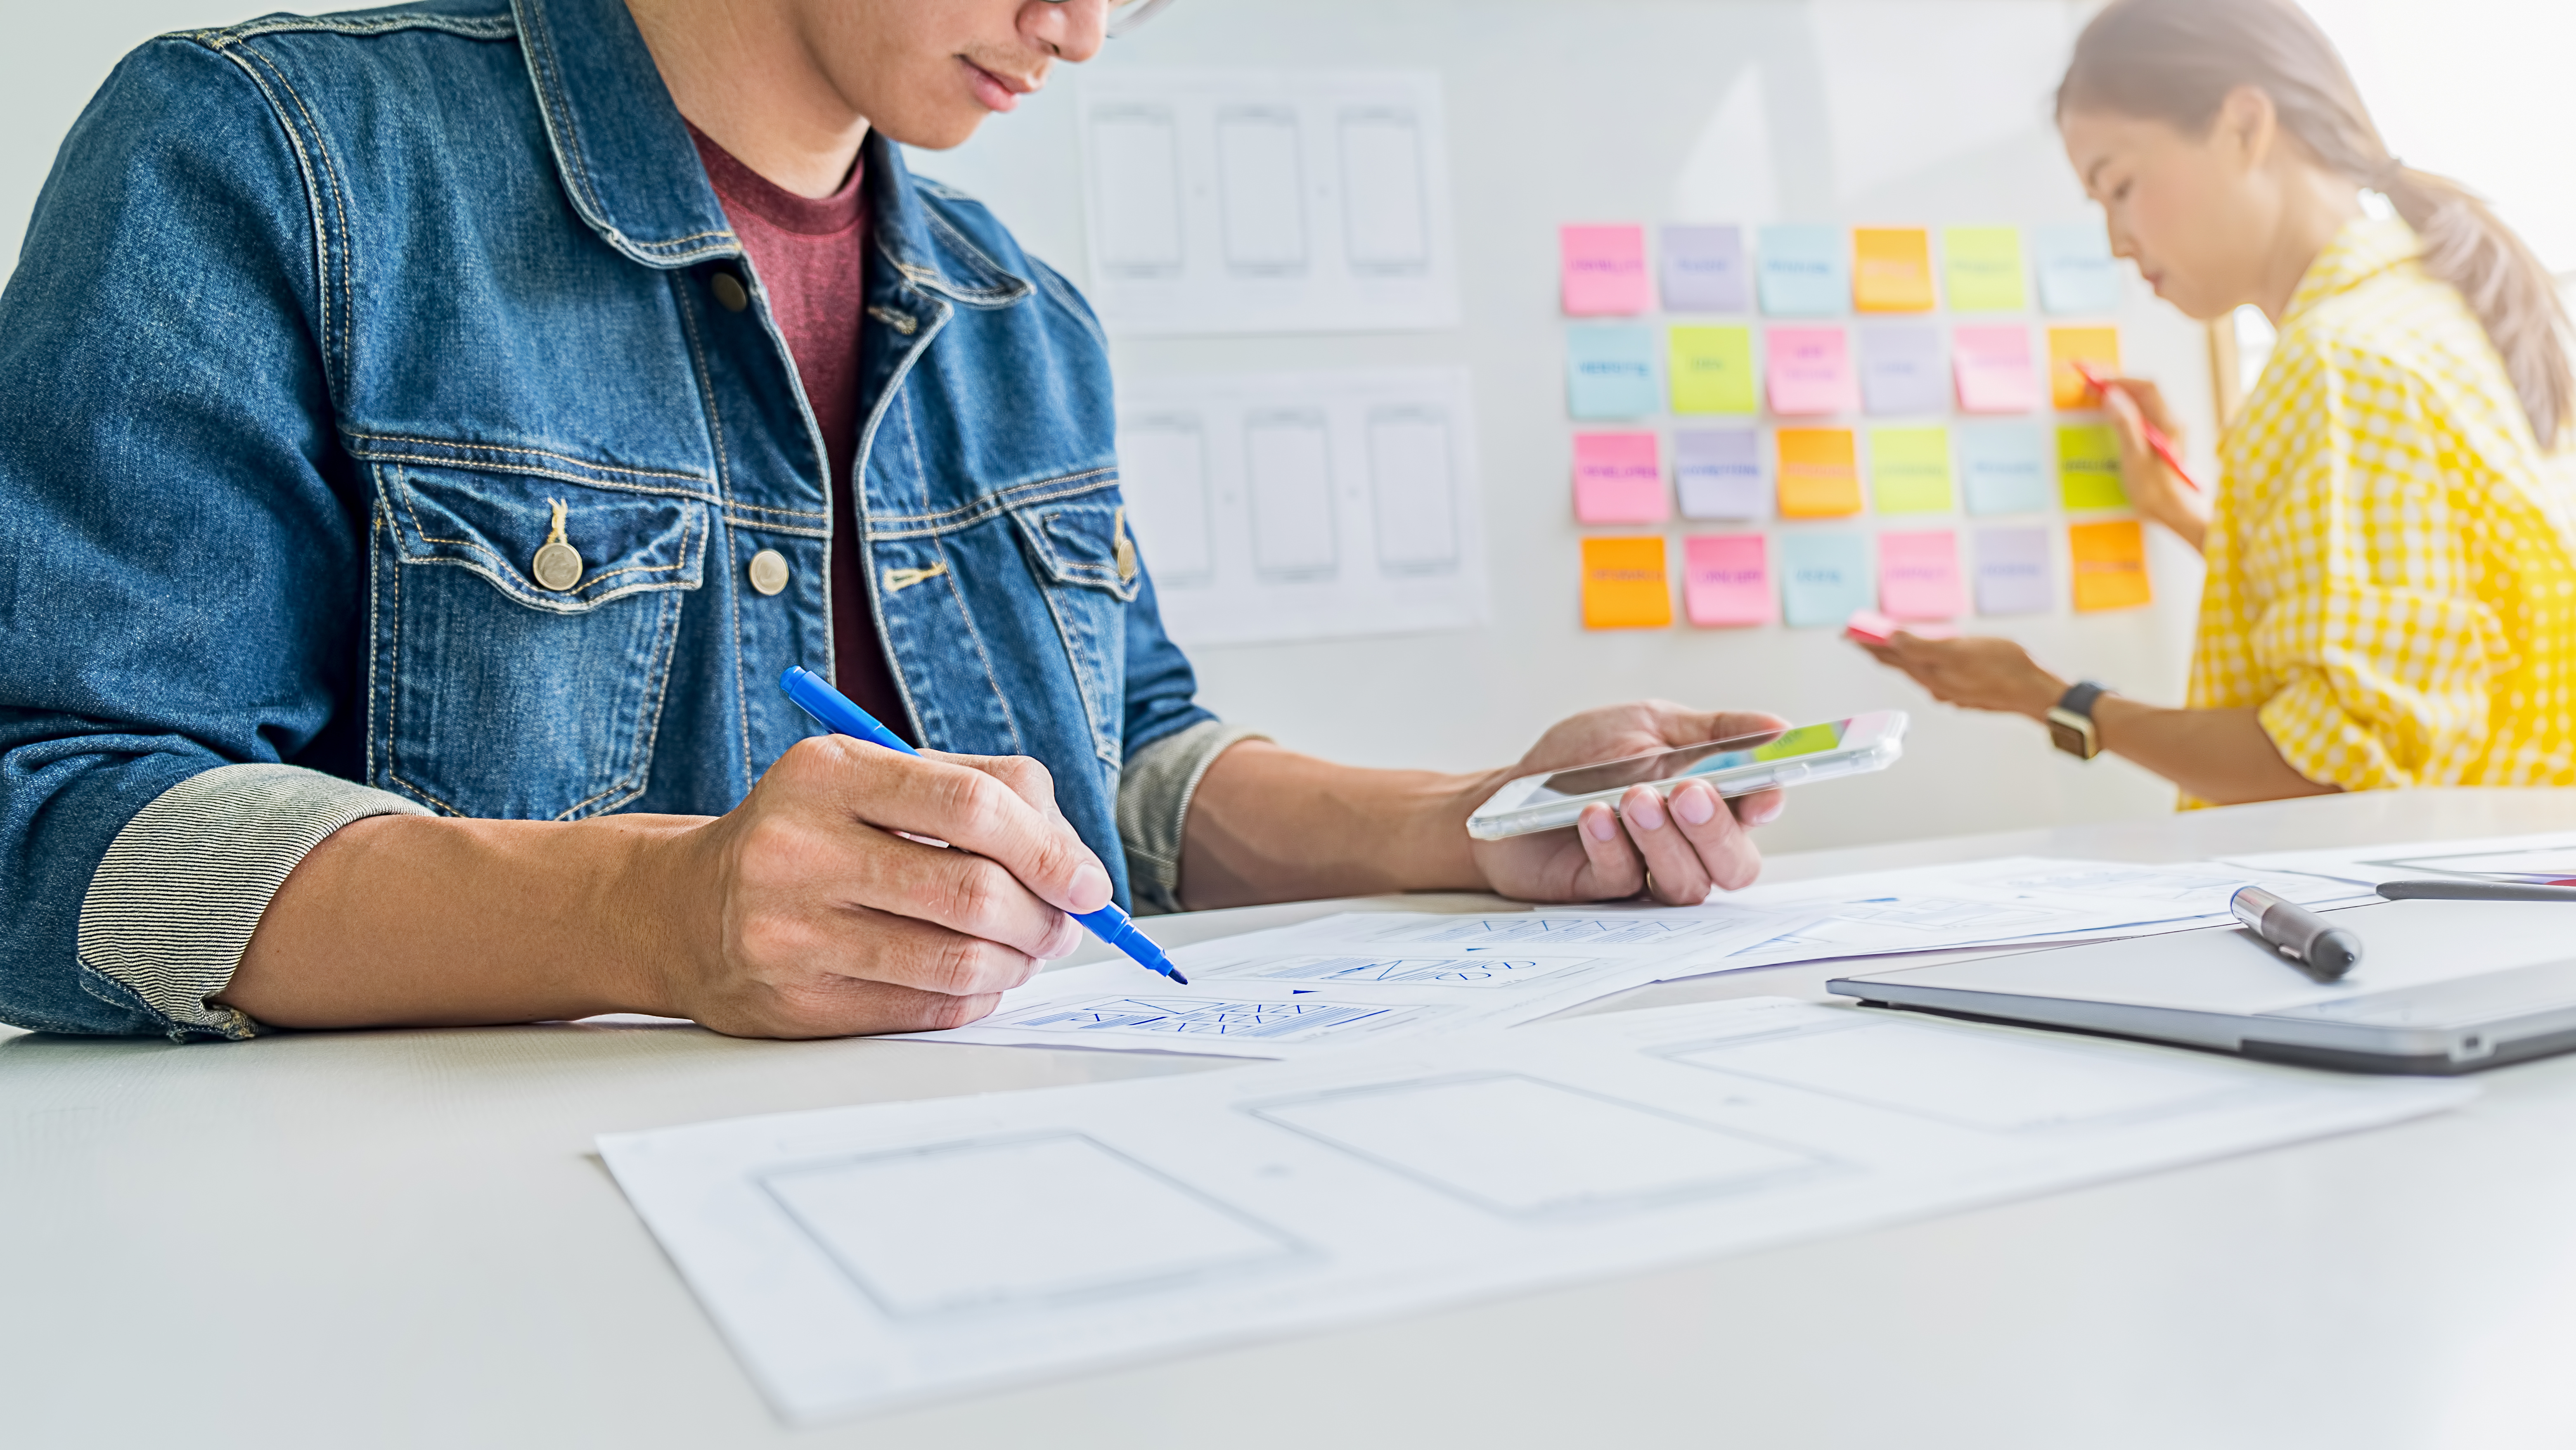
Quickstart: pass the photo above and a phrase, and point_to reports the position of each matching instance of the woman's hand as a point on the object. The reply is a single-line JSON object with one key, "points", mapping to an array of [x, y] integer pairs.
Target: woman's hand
{"points": [[2155, 488], [1974, 673]]}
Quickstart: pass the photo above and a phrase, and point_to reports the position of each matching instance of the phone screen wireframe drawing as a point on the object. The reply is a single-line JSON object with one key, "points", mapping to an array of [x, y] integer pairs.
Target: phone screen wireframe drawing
{"points": [[1445, 971], [1018, 1221], [1198, 1017], [1524, 1147]]}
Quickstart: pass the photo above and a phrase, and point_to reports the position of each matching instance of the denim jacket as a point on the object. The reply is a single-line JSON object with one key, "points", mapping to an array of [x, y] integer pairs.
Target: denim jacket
{"points": [[325, 327]]}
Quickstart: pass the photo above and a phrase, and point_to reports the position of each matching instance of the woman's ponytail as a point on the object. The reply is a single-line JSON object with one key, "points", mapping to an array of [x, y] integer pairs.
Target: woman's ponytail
{"points": [[2176, 61]]}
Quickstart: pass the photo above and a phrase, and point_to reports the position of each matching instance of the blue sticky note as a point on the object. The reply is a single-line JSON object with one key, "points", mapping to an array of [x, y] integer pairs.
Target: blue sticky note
{"points": [[1824, 578], [1903, 368], [1805, 271], [2076, 273], [1718, 473], [1703, 269], [2003, 468], [1610, 372]]}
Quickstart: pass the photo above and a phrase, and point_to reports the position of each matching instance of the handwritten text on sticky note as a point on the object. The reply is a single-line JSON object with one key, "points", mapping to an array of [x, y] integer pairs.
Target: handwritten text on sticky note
{"points": [[1984, 269], [2003, 468], [1902, 370], [1909, 470], [1610, 372], [1617, 479], [2110, 566], [2012, 571], [1810, 372], [2097, 346], [1824, 577], [1624, 584], [1819, 476], [1711, 369], [1717, 472], [1604, 270], [1726, 580], [2077, 276], [1704, 269], [1918, 575], [1891, 269], [2088, 468], [1993, 365], [1802, 271]]}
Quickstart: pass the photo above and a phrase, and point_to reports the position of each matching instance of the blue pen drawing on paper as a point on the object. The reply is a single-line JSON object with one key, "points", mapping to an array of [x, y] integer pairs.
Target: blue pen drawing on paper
{"points": [[1190, 1018]]}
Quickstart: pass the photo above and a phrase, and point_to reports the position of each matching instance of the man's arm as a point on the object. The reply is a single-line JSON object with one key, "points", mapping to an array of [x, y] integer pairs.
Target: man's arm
{"points": [[1268, 824], [801, 913]]}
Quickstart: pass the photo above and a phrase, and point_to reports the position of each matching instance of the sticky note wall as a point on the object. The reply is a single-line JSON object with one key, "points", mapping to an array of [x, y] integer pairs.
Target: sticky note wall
{"points": [[1885, 417]]}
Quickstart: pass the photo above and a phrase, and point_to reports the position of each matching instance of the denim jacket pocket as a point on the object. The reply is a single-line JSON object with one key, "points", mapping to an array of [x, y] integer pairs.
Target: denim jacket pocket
{"points": [[524, 630], [1085, 560]]}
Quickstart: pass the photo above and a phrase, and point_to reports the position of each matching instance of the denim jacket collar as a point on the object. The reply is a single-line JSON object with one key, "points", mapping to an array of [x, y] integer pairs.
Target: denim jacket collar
{"points": [[632, 174]]}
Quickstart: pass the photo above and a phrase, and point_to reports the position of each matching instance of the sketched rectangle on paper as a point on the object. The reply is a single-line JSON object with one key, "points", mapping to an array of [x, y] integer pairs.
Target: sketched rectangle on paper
{"points": [[1267, 201], [863, 1258], [1305, 505]]}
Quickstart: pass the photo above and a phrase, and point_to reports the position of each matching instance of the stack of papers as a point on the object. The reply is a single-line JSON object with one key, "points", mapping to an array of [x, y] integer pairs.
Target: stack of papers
{"points": [[1367, 977], [2530, 860], [862, 1257]]}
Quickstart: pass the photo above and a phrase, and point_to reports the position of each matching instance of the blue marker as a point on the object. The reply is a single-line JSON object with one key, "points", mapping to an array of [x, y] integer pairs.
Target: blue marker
{"points": [[816, 697]]}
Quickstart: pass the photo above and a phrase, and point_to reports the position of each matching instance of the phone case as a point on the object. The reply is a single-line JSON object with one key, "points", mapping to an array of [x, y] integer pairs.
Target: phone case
{"points": [[1555, 815]]}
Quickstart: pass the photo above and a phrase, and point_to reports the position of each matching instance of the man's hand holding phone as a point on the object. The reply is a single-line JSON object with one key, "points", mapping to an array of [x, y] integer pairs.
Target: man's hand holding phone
{"points": [[1678, 848]]}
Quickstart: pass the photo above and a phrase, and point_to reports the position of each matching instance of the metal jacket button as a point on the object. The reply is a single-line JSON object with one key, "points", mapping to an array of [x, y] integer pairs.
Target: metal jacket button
{"points": [[558, 564], [730, 294], [769, 571]]}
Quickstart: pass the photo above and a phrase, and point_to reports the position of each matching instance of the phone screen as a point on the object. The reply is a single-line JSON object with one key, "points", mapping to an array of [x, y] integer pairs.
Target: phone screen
{"points": [[1690, 760]]}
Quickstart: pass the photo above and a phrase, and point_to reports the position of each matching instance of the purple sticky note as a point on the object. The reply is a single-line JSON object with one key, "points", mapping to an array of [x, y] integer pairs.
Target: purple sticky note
{"points": [[1810, 373], [1718, 473], [1902, 369], [2012, 571], [1704, 270]]}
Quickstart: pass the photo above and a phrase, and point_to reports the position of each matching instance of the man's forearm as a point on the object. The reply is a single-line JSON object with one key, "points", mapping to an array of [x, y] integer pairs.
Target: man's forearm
{"points": [[1268, 824], [431, 921], [2217, 755]]}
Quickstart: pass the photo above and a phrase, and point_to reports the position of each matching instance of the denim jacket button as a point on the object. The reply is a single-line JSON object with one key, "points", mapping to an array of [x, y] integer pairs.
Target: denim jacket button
{"points": [[769, 571], [729, 292]]}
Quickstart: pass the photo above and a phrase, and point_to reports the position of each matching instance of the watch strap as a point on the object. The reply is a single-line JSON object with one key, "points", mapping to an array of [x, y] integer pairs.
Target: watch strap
{"points": [[2079, 698]]}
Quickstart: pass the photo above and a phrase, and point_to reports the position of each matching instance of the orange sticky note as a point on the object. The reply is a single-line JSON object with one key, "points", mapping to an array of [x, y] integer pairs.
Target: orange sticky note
{"points": [[2110, 566], [1819, 473], [1891, 269], [1624, 585], [2099, 346]]}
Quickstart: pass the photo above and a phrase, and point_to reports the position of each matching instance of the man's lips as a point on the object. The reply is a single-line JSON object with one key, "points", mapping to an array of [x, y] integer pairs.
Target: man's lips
{"points": [[997, 92]]}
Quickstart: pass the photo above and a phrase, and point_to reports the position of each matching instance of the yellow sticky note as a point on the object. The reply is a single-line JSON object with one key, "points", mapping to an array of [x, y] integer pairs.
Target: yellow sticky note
{"points": [[1891, 269], [1624, 586], [1983, 267], [2110, 566], [2098, 347], [1909, 470], [1712, 369], [1819, 474], [2088, 468]]}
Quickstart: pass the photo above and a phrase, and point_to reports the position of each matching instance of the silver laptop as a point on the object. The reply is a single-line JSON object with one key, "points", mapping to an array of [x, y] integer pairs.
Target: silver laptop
{"points": [[2442, 987]]}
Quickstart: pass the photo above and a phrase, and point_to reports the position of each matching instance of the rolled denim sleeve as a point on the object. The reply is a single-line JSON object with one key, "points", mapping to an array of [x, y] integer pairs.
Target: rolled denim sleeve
{"points": [[1154, 794], [182, 581]]}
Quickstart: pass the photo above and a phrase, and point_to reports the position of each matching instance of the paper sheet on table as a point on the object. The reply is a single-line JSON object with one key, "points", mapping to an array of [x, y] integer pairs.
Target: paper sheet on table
{"points": [[1316, 505], [1357, 977], [859, 1258], [2539, 858], [1267, 200], [2017, 900]]}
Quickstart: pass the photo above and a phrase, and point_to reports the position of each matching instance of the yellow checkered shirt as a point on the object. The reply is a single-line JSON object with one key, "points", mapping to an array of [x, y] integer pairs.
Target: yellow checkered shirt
{"points": [[2392, 570]]}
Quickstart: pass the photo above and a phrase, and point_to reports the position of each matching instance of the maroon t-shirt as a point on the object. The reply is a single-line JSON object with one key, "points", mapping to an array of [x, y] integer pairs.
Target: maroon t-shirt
{"points": [[811, 255]]}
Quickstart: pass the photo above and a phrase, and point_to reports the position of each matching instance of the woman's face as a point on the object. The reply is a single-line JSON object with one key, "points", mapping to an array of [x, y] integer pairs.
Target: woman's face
{"points": [[2194, 213]]}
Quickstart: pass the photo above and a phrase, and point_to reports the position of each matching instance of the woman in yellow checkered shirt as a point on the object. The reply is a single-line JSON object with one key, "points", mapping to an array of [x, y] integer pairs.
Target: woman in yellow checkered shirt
{"points": [[2392, 573]]}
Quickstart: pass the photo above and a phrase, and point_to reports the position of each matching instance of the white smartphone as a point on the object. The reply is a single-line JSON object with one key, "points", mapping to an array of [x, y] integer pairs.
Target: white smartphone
{"points": [[1735, 767]]}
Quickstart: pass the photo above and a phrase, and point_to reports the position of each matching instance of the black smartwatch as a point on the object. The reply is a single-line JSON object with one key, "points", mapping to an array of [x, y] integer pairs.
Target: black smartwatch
{"points": [[2070, 721]]}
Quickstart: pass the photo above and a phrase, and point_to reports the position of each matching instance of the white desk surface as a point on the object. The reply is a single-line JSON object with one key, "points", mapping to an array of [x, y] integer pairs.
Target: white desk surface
{"points": [[403, 1238]]}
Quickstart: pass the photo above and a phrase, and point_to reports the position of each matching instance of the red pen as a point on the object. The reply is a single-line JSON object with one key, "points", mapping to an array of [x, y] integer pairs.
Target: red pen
{"points": [[2156, 438]]}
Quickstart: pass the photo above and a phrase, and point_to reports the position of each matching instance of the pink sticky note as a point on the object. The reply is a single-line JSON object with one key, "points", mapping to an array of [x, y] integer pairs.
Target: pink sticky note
{"points": [[1810, 372], [1871, 627], [1605, 271], [1918, 575], [1726, 579], [1617, 479], [1994, 369]]}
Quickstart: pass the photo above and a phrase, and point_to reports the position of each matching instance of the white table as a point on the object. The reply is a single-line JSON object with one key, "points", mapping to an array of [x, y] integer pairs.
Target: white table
{"points": [[403, 1238]]}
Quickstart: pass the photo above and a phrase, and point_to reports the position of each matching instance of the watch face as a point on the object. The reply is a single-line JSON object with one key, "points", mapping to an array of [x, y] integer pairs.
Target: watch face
{"points": [[2069, 739]]}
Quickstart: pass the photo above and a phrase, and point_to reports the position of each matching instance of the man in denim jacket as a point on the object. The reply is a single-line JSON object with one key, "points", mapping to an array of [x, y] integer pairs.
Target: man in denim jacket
{"points": [[410, 501]]}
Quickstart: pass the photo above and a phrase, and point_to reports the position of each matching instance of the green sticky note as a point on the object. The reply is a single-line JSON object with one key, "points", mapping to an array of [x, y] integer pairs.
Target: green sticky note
{"points": [[1909, 470], [1984, 266], [2088, 468], [1712, 369]]}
